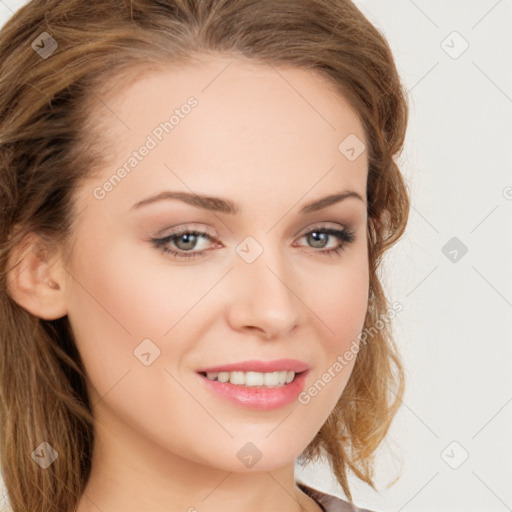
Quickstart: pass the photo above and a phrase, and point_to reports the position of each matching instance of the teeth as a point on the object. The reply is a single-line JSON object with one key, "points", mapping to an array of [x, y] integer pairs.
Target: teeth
{"points": [[250, 379]]}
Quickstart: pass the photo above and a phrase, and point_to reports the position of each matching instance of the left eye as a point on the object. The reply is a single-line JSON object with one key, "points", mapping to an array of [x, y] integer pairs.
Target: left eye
{"points": [[186, 240]]}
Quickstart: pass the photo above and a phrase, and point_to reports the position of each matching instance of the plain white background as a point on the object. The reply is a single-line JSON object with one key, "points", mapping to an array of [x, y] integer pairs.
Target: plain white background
{"points": [[450, 443]]}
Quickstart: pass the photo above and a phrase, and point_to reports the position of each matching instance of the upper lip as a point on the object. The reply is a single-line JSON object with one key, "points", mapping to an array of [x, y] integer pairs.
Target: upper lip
{"points": [[291, 365]]}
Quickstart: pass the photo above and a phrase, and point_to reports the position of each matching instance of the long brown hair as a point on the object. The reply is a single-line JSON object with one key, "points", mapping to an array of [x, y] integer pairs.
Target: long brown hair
{"points": [[47, 147]]}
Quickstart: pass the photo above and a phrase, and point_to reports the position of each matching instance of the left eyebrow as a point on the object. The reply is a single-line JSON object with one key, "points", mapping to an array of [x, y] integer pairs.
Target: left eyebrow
{"points": [[319, 204], [218, 204]]}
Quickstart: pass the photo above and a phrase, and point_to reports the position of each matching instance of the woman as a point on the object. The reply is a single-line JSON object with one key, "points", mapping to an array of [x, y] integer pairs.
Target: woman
{"points": [[196, 196]]}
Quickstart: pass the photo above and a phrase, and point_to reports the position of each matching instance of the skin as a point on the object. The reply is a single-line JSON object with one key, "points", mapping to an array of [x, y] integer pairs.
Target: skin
{"points": [[163, 440]]}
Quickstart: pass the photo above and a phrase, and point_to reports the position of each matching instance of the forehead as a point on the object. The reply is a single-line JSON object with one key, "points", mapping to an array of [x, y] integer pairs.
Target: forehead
{"points": [[252, 124]]}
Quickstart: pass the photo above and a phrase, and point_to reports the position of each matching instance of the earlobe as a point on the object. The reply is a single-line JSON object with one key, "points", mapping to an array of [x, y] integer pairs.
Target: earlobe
{"points": [[35, 284]]}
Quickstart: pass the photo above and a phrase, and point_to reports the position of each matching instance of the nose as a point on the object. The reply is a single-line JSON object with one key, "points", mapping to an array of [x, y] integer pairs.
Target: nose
{"points": [[263, 297]]}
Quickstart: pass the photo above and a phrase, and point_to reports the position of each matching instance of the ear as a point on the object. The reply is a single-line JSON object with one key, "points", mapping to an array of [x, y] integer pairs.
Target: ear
{"points": [[35, 280]]}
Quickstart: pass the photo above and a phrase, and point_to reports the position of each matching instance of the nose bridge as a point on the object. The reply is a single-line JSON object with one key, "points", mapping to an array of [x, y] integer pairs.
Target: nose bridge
{"points": [[264, 296]]}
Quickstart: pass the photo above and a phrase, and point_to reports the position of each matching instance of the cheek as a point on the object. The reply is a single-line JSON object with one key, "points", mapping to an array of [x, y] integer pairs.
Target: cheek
{"points": [[120, 297], [338, 297], [347, 312], [130, 292], [110, 310], [339, 307]]}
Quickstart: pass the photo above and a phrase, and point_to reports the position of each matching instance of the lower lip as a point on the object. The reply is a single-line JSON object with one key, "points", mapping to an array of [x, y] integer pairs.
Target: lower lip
{"points": [[260, 398]]}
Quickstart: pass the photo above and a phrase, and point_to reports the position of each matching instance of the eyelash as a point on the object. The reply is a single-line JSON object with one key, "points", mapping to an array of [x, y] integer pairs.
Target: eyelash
{"points": [[345, 236]]}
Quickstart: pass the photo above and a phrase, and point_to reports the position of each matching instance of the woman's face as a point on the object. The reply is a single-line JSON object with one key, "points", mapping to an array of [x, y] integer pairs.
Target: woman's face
{"points": [[247, 147]]}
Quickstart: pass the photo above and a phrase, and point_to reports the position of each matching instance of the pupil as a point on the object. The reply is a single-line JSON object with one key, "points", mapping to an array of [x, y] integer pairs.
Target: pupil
{"points": [[317, 237], [189, 238]]}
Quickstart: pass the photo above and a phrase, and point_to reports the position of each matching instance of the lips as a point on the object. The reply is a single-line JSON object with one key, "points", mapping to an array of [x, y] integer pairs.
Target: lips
{"points": [[292, 365], [257, 397]]}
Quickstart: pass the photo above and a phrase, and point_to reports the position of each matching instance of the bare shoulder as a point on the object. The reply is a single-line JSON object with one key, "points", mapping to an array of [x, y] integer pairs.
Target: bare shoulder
{"points": [[328, 502]]}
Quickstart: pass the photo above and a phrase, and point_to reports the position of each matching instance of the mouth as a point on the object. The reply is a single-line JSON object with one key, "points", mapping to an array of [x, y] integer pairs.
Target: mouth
{"points": [[264, 391], [254, 379]]}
